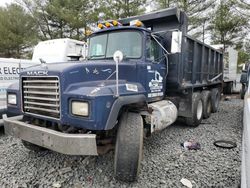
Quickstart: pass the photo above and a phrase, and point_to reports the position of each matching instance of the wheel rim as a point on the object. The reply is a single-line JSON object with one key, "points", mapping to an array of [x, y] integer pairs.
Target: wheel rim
{"points": [[209, 107], [199, 110]]}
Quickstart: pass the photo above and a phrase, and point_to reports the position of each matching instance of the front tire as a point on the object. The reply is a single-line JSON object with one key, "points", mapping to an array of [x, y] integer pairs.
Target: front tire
{"points": [[197, 111], [129, 146]]}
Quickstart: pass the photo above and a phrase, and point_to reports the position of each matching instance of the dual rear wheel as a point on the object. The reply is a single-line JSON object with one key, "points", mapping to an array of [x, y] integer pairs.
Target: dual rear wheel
{"points": [[203, 104]]}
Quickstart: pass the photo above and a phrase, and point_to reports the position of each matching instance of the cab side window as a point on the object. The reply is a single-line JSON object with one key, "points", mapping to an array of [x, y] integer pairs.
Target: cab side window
{"points": [[153, 50]]}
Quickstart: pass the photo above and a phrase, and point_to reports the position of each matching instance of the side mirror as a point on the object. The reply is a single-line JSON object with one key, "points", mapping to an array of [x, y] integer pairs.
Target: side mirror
{"points": [[176, 42], [118, 56]]}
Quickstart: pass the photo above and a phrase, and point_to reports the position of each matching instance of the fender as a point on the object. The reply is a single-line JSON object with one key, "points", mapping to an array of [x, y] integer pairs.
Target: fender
{"points": [[118, 104]]}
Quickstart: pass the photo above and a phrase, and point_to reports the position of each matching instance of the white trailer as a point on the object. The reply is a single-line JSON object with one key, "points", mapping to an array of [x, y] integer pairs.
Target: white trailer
{"points": [[230, 77]]}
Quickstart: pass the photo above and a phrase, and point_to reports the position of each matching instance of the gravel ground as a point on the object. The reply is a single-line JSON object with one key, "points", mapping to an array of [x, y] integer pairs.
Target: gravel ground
{"points": [[164, 164]]}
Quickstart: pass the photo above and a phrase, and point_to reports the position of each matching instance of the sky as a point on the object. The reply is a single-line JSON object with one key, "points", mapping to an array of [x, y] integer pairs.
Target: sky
{"points": [[3, 2]]}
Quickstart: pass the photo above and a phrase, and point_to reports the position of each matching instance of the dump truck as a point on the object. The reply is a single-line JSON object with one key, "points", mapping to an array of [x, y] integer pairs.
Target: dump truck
{"points": [[142, 73]]}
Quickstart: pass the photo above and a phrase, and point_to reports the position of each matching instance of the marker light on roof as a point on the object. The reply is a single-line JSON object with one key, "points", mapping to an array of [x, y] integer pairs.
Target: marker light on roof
{"points": [[107, 24], [116, 23], [136, 23], [88, 32], [101, 26]]}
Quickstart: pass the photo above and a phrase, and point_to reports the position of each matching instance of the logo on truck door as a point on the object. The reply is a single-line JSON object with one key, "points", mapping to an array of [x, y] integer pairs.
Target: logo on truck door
{"points": [[155, 85]]}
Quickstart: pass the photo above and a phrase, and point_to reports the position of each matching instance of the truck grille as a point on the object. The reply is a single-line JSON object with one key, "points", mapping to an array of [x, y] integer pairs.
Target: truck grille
{"points": [[41, 96]]}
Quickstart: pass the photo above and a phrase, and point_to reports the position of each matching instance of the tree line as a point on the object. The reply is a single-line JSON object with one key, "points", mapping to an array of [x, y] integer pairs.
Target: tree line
{"points": [[25, 22]]}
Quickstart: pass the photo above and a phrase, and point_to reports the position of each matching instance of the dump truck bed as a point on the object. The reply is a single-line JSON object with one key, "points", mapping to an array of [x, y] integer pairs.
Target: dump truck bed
{"points": [[197, 65]]}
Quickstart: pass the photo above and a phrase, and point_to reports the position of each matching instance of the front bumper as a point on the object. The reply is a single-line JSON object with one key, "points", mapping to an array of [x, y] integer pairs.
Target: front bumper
{"points": [[70, 144]]}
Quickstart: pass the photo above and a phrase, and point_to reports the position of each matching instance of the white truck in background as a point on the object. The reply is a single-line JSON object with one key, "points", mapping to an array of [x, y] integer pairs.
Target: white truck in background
{"points": [[231, 79], [59, 50], [50, 51]]}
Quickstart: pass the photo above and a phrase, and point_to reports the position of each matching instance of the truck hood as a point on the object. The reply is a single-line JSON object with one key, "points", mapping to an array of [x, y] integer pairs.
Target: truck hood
{"points": [[88, 73]]}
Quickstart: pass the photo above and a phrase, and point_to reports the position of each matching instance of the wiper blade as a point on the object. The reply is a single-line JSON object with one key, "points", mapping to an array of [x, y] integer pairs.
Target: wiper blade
{"points": [[96, 56], [111, 57]]}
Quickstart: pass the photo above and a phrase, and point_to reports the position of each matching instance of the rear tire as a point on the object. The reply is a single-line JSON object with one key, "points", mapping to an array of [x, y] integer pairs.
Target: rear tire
{"points": [[197, 111], [129, 146], [32, 147], [215, 96], [207, 104]]}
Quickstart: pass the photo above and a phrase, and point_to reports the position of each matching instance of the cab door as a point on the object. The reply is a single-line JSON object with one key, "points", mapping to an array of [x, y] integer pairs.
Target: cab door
{"points": [[156, 70]]}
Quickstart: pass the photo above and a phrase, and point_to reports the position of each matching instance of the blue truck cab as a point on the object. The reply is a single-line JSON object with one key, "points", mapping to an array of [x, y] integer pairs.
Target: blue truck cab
{"points": [[137, 80]]}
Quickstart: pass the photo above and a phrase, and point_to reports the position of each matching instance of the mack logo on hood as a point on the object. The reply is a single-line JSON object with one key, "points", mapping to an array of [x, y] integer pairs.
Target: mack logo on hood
{"points": [[37, 73]]}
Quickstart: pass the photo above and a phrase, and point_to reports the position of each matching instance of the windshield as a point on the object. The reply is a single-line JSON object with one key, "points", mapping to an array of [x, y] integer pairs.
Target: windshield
{"points": [[104, 46]]}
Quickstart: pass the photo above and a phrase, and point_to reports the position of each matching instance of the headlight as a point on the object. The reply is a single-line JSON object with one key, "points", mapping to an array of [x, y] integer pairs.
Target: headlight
{"points": [[12, 99], [80, 108]]}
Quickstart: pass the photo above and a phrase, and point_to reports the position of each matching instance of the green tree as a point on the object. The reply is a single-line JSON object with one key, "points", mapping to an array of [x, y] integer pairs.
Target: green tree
{"points": [[243, 57], [227, 25], [115, 9], [62, 18], [196, 10], [17, 31], [161, 4]]}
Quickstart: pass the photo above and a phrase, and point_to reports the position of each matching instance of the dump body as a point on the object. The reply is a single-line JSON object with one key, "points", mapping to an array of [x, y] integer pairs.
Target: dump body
{"points": [[197, 65]]}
